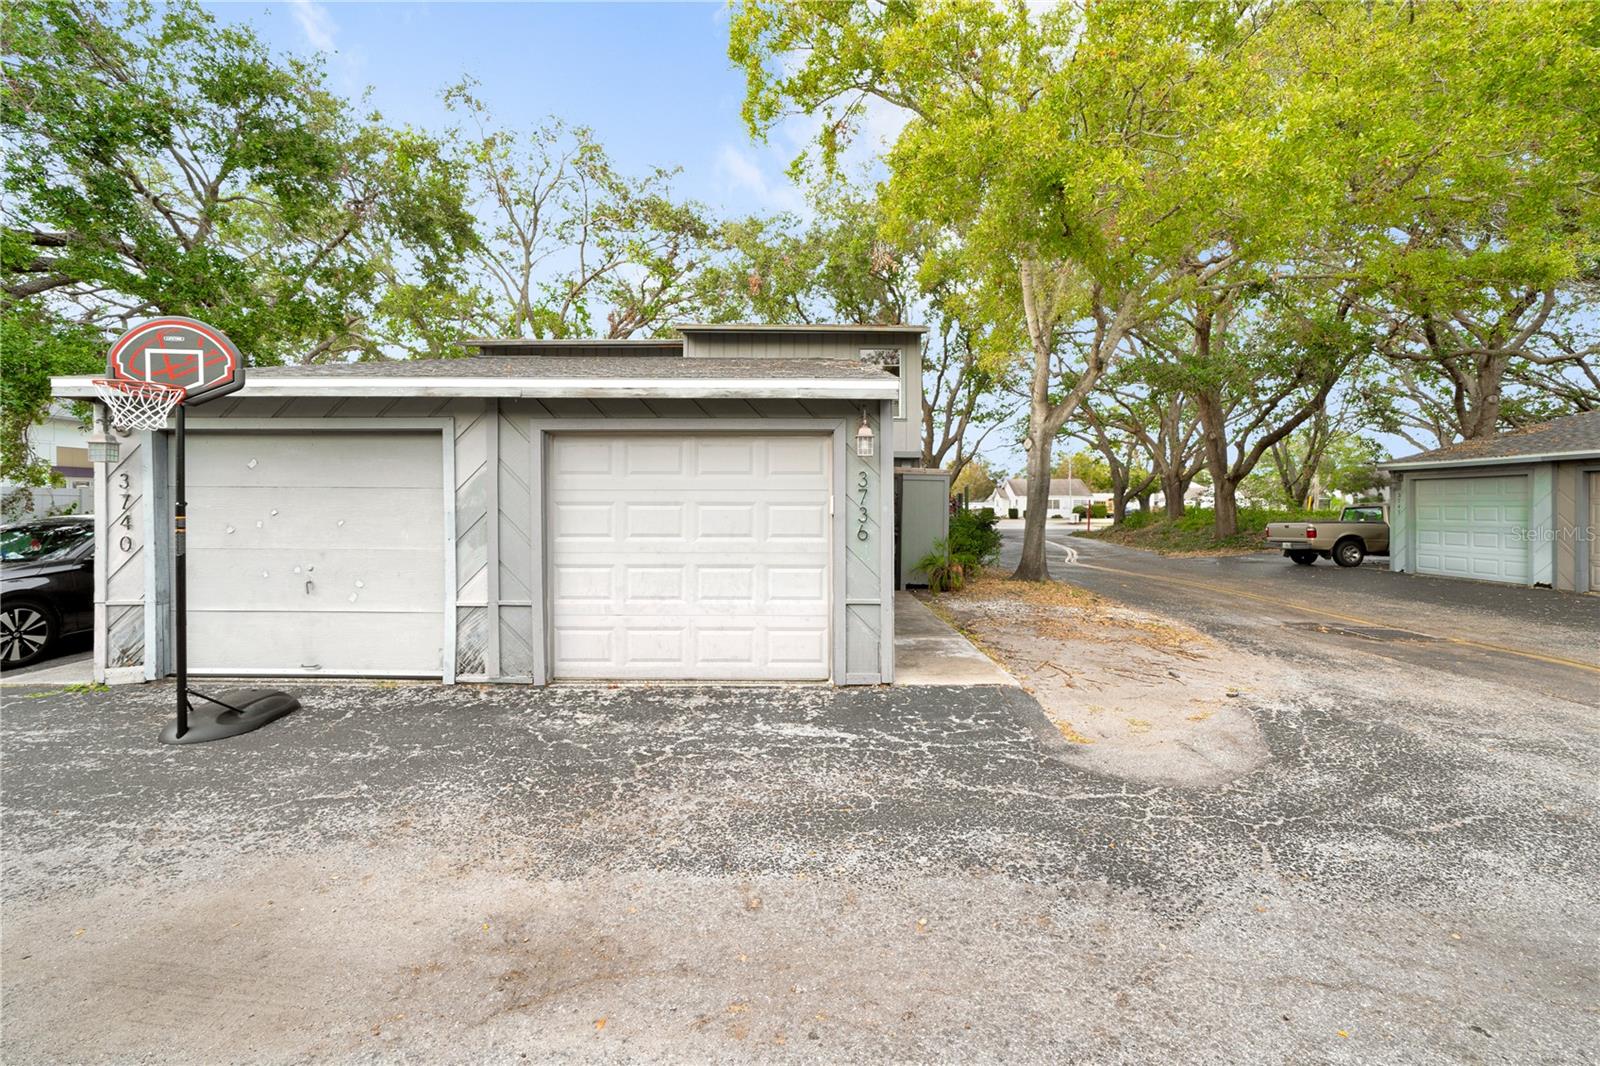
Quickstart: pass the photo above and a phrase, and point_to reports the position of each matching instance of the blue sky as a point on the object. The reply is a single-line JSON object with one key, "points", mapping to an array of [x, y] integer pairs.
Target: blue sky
{"points": [[652, 80]]}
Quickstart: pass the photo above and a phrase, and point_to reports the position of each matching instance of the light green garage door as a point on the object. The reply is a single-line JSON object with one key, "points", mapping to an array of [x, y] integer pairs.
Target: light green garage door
{"points": [[1473, 527]]}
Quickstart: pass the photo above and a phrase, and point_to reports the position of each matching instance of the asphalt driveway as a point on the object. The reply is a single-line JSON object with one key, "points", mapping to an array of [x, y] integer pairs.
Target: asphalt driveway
{"points": [[499, 874], [1266, 603]]}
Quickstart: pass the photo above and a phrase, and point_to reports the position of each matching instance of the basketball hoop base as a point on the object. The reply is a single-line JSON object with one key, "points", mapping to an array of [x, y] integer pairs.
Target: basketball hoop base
{"points": [[231, 713]]}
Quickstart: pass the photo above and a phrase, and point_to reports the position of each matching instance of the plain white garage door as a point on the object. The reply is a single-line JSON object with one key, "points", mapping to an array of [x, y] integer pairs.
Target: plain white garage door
{"points": [[316, 553], [689, 557], [1469, 526]]}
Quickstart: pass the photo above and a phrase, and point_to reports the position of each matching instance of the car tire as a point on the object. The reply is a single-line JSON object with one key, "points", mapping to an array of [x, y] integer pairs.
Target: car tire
{"points": [[1303, 558], [1349, 552], [28, 632]]}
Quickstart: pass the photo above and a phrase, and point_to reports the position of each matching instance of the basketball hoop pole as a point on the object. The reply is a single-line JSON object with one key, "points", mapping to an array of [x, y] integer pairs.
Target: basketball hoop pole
{"points": [[180, 583]]}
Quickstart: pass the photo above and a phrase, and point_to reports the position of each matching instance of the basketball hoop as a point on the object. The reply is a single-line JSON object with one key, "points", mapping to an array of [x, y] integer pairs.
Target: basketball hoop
{"points": [[137, 404]]}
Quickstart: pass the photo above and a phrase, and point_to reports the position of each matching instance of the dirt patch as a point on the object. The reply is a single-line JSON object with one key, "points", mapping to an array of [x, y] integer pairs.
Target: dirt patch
{"points": [[1134, 694]]}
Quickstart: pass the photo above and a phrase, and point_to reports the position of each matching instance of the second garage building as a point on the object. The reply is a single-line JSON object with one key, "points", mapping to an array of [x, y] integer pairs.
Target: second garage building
{"points": [[1522, 508], [695, 508]]}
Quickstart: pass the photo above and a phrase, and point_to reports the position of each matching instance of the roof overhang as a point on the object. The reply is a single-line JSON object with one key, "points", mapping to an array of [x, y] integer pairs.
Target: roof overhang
{"points": [[534, 387], [766, 327], [1488, 460], [628, 344]]}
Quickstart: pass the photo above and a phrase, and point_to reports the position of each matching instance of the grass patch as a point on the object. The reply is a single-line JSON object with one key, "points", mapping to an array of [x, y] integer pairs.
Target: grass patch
{"points": [[1193, 532], [68, 690], [991, 585]]}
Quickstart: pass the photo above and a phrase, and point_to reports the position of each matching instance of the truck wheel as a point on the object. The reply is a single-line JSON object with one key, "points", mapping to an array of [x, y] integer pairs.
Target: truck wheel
{"points": [[1349, 552], [1303, 558]]}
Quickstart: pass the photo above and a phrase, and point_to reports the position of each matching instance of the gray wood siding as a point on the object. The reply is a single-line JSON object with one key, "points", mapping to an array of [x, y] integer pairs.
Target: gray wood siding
{"points": [[132, 525], [1569, 526], [759, 345]]}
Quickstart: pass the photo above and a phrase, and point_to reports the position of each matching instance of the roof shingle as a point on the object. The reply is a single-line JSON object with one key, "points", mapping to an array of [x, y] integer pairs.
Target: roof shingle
{"points": [[1575, 435]]}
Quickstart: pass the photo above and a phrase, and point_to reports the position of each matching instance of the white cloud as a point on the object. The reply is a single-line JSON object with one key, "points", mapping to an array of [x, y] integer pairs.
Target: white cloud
{"points": [[316, 24], [740, 172]]}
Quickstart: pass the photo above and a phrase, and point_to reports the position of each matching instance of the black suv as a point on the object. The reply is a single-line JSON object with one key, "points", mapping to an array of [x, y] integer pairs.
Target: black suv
{"points": [[46, 585]]}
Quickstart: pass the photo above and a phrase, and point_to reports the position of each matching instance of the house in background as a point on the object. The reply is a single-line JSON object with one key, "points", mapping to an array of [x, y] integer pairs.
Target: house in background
{"points": [[61, 441], [1196, 495], [689, 508], [1065, 494], [1522, 508]]}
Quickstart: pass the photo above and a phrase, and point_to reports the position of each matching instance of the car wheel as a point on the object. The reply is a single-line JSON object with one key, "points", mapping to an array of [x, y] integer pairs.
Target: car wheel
{"points": [[1303, 558], [1349, 553], [26, 633]]}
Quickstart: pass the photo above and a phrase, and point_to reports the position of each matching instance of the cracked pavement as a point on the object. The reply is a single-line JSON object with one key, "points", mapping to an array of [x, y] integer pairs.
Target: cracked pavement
{"points": [[499, 874]]}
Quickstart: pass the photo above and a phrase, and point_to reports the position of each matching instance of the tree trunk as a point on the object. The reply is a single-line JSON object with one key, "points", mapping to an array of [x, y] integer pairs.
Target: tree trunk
{"points": [[1213, 438], [1119, 500], [1032, 566], [1172, 493], [1226, 522]]}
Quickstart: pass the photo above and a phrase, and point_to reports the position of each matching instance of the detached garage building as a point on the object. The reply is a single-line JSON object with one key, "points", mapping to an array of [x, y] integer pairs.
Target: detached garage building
{"points": [[1522, 508], [679, 509]]}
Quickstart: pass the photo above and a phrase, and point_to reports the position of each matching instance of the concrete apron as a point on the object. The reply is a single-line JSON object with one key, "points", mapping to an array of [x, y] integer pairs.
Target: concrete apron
{"points": [[927, 651]]}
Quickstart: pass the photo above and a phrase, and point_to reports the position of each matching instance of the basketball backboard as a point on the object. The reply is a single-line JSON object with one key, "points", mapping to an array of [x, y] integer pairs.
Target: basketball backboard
{"points": [[179, 351]]}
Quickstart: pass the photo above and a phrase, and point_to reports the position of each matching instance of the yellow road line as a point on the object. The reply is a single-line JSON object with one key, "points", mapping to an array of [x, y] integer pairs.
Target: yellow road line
{"points": [[1554, 660]]}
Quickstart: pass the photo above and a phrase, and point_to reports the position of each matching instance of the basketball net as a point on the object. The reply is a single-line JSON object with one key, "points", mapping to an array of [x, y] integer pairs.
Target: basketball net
{"points": [[137, 404]]}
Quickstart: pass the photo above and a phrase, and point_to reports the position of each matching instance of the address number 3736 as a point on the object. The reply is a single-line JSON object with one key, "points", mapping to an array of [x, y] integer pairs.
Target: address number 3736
{"points": [[861, 509]]}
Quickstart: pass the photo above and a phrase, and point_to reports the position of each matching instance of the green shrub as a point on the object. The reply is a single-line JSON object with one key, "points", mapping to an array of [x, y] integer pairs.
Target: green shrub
{"points": [[1011, 512], [947, 570], [1139, 519], [1098, 511], [975, 534]]}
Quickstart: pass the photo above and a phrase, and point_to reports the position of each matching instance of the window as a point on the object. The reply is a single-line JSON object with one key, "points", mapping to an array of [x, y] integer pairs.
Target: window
{"points": [[1362, 514], [1055, 503], [889, 359], [44, 542], [72, 458]]}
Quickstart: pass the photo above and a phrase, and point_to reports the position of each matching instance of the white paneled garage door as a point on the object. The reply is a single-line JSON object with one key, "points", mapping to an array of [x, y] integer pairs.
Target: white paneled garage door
{"points": [[699, 557], [316, 553], [1473, 527]]}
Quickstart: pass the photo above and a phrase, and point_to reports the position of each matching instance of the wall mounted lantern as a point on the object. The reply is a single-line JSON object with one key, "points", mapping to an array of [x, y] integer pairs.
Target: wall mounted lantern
{"points": [[864, 437], [103, 448]]}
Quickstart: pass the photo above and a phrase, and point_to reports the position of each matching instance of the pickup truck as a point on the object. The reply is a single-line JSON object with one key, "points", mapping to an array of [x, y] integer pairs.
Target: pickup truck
{"points": [[1361, 531]]}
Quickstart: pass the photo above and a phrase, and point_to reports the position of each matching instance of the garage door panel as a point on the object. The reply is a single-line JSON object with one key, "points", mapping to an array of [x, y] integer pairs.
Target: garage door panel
{"points": [[797, 646], [794, 458], [654, 522], [721, 458], [733, 651], [661, 584], [288, 578], [1473, 527], [578, 520], [654, 457], [311, 460], [395, 643], [725, 523], [234, 518], [712, 562], [725, 585], [798, 524]]}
